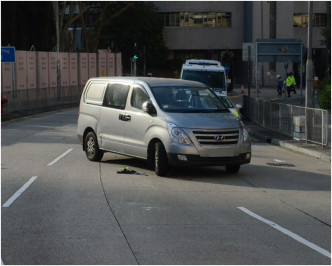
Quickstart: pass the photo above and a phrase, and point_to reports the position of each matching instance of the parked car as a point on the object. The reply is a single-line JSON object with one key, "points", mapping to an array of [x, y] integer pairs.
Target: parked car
{"points": [[168, 122]]}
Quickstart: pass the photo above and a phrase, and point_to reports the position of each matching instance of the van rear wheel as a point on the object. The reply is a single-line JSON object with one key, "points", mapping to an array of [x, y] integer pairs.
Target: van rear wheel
{"points": [[92, 151], [160, 160]]}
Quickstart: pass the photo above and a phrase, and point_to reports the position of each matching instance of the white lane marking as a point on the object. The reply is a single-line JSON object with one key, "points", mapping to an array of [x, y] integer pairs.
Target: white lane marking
{"points": [[287, 232], [60, 157], [19, 192], [2, 262]]}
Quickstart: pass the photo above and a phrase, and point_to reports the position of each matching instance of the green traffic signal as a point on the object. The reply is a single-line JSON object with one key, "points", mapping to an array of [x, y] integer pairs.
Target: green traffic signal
{"points": [[135, 57]]}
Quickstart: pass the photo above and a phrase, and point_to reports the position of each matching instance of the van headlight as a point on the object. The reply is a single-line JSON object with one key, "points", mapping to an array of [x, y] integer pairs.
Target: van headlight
{"points": [[177, 134], [245, 135]]}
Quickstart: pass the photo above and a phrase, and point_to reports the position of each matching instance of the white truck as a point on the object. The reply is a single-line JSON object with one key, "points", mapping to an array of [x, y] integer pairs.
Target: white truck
{"points": [[209, 72]]}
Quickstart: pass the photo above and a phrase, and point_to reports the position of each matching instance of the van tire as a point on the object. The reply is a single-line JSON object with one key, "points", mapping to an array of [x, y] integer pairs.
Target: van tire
{"points": [[233, 168], [160, 160], [92, 151]]}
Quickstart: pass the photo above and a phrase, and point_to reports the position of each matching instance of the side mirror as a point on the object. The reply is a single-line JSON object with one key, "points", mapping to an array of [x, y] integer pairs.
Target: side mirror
{"points": [[149, 108]]}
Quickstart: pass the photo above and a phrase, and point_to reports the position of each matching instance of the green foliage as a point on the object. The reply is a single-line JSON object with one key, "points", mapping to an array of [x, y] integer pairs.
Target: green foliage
{"points": [[140, 24], [324, 94]]}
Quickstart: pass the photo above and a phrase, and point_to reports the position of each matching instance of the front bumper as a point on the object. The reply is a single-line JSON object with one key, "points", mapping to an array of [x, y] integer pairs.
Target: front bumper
{"points": [[196, 160]]}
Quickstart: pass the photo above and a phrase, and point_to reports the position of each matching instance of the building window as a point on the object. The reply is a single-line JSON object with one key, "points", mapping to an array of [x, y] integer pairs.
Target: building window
{"points": [[190, 19], [171, 19], [318, 20]]}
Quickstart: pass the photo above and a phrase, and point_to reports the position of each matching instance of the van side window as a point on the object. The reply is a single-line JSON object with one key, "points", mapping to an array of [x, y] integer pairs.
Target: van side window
{"points": [[95, 91], [116, 96], [138, 97]]}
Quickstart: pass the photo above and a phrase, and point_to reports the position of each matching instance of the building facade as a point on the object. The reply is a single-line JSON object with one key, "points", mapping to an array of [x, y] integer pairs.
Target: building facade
{"points": [[217, 30]]}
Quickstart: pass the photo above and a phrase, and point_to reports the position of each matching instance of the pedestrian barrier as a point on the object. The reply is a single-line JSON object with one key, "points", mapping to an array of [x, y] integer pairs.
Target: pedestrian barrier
{"points": [[39, 98], [301, 123], [46, 79]]}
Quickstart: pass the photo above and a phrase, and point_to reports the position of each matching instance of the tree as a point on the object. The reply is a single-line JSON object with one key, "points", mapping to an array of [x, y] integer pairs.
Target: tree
{"points": [[102, 14], [140, 24]]}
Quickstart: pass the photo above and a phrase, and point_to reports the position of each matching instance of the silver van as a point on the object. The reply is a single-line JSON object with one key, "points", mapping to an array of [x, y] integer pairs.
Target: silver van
{"points": [[168, 122]]}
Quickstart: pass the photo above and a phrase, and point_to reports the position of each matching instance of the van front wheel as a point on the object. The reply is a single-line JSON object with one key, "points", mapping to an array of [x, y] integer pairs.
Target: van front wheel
{"points": [[92, 151], [233, 168], [160, 160]]}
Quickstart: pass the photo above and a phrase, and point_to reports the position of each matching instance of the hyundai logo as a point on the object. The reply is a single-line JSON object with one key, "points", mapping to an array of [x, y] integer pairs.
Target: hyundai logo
{"points": [[219, 137]]}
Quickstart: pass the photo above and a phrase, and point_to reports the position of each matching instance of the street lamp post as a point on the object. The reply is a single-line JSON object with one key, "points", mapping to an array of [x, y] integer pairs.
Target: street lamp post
{"points": [[309, 99], [57, 47]]}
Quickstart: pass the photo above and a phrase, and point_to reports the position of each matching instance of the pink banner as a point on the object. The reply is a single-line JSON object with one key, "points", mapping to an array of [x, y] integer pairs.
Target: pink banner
{"points": [[21, 70], [42, 69], [92, 65], [83, 68], [52, 69], [6, 77], [102, 64], [111, 64], [32, 70], [73, 79], [118, 64], [64, 69]]}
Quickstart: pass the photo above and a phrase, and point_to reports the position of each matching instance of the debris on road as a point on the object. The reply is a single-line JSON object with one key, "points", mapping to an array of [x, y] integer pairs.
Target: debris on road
{"points": [[126, 170]]}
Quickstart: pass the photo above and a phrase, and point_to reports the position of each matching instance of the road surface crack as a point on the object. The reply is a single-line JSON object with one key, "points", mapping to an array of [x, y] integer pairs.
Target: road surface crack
{"points": [[110, 207]]}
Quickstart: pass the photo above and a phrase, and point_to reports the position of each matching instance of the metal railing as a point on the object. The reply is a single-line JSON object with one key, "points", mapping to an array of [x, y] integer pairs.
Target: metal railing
{"points": [[301, 123]]}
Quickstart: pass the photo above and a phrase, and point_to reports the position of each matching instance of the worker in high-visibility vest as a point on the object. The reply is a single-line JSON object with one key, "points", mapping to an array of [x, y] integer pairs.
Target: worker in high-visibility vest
{"points": [[293, 83], [289, 83]]}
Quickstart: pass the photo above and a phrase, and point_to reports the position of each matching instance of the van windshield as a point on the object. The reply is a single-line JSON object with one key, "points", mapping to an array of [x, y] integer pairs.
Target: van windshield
{"points": [[187, 100], [213, 79]]}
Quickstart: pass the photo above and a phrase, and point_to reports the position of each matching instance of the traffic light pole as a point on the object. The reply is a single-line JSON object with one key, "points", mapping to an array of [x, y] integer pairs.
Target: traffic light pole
{"points": [[133, 69]]}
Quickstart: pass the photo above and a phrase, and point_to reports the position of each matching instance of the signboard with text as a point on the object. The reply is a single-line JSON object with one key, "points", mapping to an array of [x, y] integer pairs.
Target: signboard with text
{"points": [[73, 79], [6, 77], [83, 68], [111, 64], [92, 65], [102, 64], [52, 69], [118, 64], [32, 70], [21, 70], [64, 70], [8, 54], [42, 69]]}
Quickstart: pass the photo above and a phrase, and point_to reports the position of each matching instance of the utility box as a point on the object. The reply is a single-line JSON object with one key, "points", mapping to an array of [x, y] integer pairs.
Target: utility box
{"points": [[299, 127]]}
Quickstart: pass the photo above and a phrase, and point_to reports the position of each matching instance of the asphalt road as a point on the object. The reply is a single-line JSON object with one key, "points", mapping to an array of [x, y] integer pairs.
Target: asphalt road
{"points": [[60, 208]]}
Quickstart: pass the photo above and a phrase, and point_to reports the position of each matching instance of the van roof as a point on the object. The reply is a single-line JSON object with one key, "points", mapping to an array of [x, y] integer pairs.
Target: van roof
{"points": [[202, 64], [154, 82]]}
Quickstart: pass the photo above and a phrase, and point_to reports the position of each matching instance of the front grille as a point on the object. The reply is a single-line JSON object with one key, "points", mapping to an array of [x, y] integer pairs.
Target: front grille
{"points": [[217, 137]]}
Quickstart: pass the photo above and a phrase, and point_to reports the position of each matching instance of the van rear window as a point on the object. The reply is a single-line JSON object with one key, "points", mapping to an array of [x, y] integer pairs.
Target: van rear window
{"points": [[95, 91]]}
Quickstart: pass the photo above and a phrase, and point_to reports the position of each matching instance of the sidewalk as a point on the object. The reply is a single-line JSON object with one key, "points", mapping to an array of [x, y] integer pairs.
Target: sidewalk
{"points": [[288, 142], [270, 136]]}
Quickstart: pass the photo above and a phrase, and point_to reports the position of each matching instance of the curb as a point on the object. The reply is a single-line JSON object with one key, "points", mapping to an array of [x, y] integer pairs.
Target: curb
{"points": [[290, 146], [316, 154]]}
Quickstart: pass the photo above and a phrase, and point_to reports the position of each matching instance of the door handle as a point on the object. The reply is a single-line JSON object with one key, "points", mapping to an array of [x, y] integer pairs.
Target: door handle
{"points": [[124, 117]]}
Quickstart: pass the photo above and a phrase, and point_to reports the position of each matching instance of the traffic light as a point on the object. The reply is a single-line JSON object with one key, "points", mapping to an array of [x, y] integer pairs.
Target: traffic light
{"points": [[138, 55]]}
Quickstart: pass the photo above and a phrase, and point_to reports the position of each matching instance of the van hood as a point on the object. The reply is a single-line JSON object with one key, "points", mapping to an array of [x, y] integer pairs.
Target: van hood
{"points": [[203, 120]]}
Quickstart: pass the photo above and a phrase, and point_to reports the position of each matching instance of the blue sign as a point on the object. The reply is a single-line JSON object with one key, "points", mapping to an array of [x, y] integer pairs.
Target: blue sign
{"points": [[7, 54]]}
